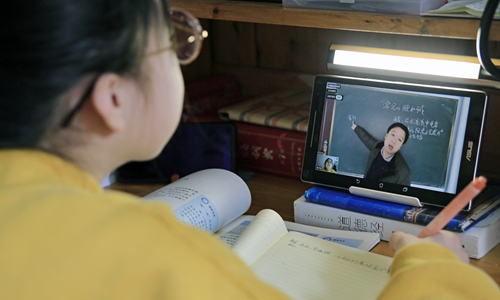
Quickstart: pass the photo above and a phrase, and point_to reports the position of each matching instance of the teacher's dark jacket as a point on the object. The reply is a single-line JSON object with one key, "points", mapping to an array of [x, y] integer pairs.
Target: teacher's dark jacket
{"points": [[398, 171]]}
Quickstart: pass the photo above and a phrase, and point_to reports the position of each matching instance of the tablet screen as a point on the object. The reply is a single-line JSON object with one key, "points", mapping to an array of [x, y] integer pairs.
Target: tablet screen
{"points": [[402, 138]]}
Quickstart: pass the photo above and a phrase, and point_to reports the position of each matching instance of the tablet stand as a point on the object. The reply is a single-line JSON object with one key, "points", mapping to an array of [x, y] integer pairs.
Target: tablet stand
{"points": [[385, 196]]}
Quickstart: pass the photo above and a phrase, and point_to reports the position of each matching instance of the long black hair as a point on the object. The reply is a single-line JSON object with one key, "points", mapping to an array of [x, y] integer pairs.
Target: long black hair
{"points": [[48, 46]]}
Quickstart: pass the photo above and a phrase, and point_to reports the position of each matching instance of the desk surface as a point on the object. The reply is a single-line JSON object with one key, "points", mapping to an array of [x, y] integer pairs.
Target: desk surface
{"points": [[279, 193]]}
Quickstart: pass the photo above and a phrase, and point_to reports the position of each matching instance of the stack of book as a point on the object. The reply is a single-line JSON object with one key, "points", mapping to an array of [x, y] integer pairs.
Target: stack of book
{"points": [[479, 228], [271, 129], [271, 132]]}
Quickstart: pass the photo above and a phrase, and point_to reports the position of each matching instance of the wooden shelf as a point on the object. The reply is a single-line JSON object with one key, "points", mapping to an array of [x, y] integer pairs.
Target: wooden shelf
{"points": [[276, 14], [268, 48]]}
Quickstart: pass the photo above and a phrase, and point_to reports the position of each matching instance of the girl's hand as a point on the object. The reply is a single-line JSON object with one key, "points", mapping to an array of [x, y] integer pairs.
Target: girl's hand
{"points": [[445, 238]]}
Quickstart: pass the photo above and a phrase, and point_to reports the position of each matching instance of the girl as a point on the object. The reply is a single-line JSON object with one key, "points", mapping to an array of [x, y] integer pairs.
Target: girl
{"points": [[85, 86]]}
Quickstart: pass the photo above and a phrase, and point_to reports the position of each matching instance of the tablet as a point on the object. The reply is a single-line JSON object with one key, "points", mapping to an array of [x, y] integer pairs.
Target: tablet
{"points": [[397, 141]]}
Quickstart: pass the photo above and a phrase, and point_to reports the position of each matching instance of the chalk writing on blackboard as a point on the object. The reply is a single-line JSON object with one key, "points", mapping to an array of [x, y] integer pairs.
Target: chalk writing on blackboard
{"points": [[419, 127], [430, 120], [407, 108]]}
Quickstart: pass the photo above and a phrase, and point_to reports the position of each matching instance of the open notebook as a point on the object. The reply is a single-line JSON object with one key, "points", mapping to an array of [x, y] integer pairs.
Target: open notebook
{"points": [[306, 267]]}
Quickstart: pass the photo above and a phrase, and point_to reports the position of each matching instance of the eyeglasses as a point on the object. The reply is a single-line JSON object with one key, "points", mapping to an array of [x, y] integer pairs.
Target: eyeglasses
{"points": [[189, 36]]}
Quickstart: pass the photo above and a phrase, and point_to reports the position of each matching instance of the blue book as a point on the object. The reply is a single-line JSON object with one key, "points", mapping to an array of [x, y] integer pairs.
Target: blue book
{"points": [[419, 215]]}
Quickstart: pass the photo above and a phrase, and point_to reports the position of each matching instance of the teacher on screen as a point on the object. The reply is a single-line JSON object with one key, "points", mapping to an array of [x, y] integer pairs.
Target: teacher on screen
{"points": [[385, 162]]}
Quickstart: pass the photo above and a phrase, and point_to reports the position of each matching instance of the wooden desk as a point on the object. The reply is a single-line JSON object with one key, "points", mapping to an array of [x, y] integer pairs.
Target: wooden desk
{"points": [[279, 193]]}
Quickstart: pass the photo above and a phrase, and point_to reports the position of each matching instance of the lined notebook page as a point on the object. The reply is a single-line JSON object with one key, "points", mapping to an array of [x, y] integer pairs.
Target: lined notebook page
{"points": [[305, 267]]}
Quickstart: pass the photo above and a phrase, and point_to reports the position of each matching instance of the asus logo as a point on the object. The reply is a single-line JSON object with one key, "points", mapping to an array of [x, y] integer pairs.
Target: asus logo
{"points": [[469, 150]]}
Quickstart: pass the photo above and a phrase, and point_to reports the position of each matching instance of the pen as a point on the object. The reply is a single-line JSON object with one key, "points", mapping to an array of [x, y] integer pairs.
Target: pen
{"points": [[455, 206]]}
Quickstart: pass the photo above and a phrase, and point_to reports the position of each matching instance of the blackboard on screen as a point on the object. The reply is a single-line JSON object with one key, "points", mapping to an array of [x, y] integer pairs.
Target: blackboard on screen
{"points": [[430, 120]]}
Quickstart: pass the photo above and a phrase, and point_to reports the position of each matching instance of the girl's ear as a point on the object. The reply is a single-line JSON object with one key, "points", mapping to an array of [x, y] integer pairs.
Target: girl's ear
{"points": [[105, 110]]}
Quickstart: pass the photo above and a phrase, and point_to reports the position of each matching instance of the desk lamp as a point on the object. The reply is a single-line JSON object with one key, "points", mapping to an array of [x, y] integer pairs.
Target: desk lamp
{"points": [[343, 57]]}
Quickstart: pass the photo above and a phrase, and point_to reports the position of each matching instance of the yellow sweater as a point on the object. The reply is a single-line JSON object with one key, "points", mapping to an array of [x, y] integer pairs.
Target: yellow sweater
{"points": [[63, 237], [432, 272]]}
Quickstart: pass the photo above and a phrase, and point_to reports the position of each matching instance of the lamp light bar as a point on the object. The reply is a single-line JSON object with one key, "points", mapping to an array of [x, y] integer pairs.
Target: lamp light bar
{"points": [[406, 61]]}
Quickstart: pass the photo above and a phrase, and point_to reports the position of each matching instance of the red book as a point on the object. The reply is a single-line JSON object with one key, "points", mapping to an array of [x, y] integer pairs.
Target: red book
{"points": [[205, 97], [270, 150]]}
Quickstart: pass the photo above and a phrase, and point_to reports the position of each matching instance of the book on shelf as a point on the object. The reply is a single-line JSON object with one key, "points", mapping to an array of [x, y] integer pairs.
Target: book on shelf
{"points": [[476, 240], [286, 109], [270, 150], [419, 215], [306, 267], [203, 98], [462, 8]]}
